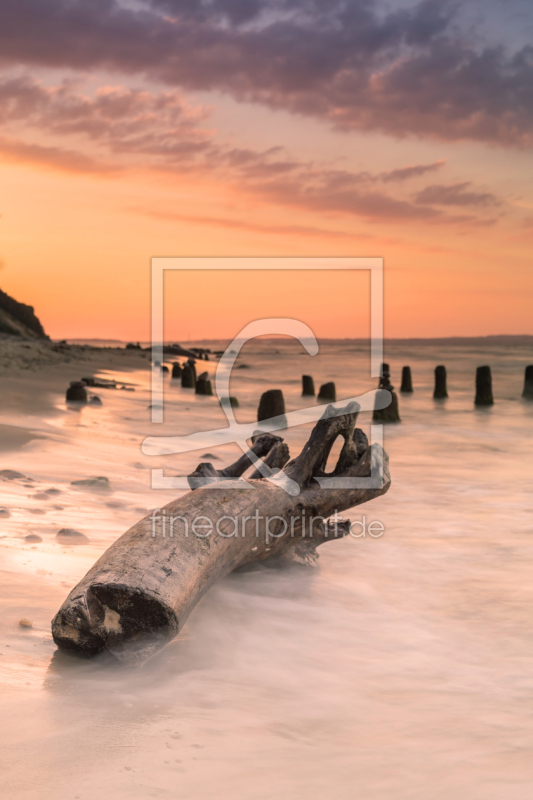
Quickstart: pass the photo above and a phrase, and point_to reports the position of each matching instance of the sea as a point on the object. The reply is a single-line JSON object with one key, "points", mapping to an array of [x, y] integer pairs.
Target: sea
{"points": [[399, 669]]}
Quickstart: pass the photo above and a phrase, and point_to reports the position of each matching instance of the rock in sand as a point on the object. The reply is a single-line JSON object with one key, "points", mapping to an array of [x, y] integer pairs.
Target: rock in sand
{"points": [[76, 392], [100, 482], [70, 536], [11, 474]]}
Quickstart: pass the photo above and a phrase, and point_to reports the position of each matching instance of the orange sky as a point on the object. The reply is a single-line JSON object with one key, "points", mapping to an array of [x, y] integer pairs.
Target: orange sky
{"points": [[102, 170]]}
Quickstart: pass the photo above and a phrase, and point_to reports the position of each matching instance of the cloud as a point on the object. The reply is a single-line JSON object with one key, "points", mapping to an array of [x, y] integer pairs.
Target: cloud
{"points": [[123, 120], [115, 128], [415, 171], [53, 157], [406, 71], [236, 224], [456, 195], [325, 196]]}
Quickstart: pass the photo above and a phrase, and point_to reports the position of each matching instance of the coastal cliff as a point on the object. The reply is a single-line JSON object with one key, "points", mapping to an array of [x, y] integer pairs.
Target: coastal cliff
{"points": [[18, 319]]}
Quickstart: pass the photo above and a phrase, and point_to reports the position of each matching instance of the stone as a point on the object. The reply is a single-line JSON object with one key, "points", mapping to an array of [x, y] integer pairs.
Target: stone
{"points": [[70, 536], [95, 400], [76, 392], [100, 482], [10, 474], [32, 538]]}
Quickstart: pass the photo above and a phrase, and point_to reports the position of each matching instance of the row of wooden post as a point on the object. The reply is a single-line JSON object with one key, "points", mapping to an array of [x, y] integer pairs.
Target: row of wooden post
{"points": [[272, 403], [484, 396]]}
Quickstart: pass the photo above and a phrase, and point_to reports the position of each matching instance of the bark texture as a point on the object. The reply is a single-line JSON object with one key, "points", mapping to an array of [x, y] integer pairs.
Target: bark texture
{"points": [[140, 592]]}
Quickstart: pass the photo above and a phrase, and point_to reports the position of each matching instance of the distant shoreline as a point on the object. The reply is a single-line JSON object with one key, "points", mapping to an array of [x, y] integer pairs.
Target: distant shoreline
{"points": [[490, 339]]}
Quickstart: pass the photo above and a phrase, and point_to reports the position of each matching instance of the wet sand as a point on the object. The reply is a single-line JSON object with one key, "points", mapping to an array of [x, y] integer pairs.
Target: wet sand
{"points": [[400, 669]]}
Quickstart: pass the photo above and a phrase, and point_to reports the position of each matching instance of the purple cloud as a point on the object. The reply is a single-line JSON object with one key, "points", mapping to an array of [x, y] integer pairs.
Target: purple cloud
{"points": [[406, 71], [456, 194], [55, 157], [414, 171], [88, 132]]}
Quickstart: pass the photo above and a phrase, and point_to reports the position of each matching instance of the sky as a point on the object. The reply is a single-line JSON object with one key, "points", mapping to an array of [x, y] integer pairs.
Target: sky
{"points": [[230, 128]]}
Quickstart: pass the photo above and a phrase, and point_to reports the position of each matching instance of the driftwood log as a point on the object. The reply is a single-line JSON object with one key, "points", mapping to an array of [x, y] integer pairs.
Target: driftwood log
{"points": [[140, 592]]}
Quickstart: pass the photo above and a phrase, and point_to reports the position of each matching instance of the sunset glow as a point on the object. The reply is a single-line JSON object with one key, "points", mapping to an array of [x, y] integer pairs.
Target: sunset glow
{"points": [[269, 128]]}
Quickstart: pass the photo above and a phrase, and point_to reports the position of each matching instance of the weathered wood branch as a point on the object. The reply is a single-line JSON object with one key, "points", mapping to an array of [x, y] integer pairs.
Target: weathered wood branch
{"points": [[264, 445], [140, 592]]}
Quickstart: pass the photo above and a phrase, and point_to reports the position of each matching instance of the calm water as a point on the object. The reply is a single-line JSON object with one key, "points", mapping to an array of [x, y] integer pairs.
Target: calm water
{"points": [[402, 668]]}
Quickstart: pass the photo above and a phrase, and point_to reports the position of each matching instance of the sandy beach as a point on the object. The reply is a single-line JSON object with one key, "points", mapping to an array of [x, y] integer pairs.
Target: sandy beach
{"points": [[402, 663]]}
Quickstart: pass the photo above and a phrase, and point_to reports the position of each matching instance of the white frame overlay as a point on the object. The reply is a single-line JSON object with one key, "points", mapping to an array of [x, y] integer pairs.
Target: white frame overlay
{"points": [[366, 402]]}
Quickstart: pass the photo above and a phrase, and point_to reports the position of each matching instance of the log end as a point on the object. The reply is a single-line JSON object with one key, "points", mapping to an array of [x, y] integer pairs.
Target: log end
{"points": [[113, 618]]}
